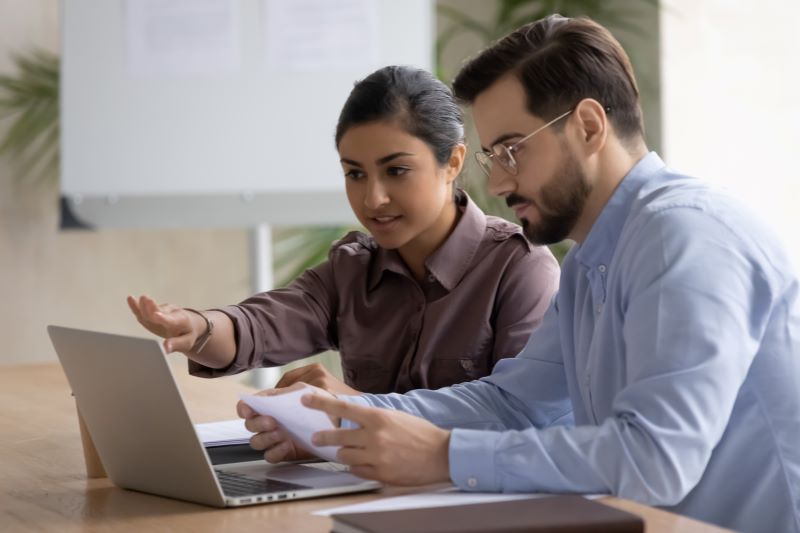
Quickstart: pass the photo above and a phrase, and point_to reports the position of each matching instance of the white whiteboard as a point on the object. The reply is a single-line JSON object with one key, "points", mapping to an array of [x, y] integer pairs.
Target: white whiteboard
{"points": [[248, 141]]}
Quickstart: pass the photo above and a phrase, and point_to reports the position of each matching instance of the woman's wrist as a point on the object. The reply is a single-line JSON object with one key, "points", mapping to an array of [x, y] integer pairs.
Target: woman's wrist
{"points": [[202, 327]]}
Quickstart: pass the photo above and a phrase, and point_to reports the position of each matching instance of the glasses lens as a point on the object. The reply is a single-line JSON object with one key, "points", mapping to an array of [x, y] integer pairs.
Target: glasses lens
{"points": [[485, 162], [505, 158]]}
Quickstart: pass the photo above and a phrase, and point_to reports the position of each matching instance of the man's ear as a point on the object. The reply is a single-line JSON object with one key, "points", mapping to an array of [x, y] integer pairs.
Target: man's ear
{"points": [[456, 162], [593, 125]]}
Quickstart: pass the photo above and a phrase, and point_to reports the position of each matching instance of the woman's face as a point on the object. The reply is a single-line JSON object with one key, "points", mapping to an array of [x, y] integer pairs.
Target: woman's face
{"points": [[395, 186]]}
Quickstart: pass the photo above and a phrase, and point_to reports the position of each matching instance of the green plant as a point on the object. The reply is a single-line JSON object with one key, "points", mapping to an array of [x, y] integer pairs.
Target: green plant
{"points": [[29, 100]]}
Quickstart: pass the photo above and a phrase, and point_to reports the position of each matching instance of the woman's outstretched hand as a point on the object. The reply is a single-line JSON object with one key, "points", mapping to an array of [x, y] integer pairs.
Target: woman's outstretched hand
{"points": [[178, 327]]}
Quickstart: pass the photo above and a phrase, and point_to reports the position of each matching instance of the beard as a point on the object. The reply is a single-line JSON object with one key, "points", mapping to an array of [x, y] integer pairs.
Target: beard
{"points": [[560, 204]]}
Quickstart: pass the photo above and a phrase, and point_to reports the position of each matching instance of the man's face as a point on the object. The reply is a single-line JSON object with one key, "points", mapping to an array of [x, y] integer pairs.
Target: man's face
{"points": [[549, 191]]}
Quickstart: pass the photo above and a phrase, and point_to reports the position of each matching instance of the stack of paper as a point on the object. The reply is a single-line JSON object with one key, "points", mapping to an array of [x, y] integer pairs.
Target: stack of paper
{"points": [[223, 433]]}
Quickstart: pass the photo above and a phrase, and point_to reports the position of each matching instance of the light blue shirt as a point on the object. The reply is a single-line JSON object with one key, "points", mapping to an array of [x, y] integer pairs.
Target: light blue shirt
{"points": [[674, 342]]}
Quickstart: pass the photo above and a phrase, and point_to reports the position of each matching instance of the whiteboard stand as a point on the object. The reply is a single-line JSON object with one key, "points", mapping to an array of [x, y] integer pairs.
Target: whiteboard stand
{"points": [[261, 277]]}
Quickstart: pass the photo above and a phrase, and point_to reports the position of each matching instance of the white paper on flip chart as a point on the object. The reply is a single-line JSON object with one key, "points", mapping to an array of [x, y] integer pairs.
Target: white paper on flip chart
{"points": [[182, 36], [223, 433], [298, 420], [311, 35]]}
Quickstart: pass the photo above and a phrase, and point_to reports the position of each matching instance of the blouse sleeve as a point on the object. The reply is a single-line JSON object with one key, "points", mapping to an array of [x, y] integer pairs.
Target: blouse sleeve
{"points": [[280, 326]]}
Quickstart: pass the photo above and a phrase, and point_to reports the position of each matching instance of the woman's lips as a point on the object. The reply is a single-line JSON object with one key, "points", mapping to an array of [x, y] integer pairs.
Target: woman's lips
{"points": [[384, 222]]}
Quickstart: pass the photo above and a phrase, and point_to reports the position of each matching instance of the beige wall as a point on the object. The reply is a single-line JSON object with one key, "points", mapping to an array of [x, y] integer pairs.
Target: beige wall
{"points": [[80, 278]]}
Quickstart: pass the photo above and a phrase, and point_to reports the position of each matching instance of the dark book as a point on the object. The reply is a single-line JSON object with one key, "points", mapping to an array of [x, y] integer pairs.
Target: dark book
{"points": [[556, 514]]}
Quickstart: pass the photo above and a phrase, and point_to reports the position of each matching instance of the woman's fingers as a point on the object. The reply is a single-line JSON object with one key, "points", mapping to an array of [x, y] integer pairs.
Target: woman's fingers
{"points": [[293, 376], [182, 343], [134, 307]]}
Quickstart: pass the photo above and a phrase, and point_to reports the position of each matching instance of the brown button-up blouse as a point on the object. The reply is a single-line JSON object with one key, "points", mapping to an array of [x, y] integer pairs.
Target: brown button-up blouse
{"points": [[486, 290]]}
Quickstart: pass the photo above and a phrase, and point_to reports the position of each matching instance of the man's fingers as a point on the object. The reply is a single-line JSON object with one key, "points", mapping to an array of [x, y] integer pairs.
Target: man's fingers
{"points": [[245, 411], [268, 439], [258, 423], [340, 409], [364, 471], [352, 438], [282, 452]]}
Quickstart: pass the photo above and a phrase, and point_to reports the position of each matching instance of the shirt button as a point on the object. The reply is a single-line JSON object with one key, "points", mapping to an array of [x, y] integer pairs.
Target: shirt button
{"points": [[601, 269], [472, 482], [598, 309], [431, 278]]}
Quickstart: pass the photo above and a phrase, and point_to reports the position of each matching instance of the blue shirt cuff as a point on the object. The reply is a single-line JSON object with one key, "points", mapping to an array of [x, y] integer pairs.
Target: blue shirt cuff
{"points": [[358, 400], [471, 456]]}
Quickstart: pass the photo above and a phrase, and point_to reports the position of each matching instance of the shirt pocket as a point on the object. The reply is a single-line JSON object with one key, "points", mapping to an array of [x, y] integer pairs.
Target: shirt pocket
{"points": [[446, 372], [367, 376]]}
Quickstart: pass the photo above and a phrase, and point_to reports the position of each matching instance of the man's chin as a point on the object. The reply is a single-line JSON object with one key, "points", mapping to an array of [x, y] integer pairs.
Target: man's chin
{"points": [[544, 234]]}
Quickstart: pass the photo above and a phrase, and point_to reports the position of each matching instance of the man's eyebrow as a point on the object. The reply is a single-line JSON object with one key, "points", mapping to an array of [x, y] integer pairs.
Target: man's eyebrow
{"points": [[503, 137]]}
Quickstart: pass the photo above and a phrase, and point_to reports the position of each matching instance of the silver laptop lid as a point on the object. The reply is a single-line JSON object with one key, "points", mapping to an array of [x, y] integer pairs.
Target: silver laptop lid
{"points": [[149, 444]]}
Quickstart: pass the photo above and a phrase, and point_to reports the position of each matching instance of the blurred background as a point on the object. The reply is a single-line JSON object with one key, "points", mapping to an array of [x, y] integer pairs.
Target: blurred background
{"points": [[717, 78]]}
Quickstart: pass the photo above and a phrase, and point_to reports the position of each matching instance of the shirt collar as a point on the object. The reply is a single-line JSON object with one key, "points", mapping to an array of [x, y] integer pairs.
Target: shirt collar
{"points": [[450, 261], [600, 243]]}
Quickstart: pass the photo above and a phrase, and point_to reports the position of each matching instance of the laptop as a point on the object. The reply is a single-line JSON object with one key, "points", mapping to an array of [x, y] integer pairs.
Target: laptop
{"points": [[133, 409]]}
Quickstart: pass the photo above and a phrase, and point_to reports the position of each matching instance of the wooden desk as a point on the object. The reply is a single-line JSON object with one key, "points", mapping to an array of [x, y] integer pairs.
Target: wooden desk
{"points": [[43, 484]]}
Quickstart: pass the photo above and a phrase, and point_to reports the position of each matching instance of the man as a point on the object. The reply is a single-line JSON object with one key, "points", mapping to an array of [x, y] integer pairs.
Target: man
{"points": [[674, 340]]}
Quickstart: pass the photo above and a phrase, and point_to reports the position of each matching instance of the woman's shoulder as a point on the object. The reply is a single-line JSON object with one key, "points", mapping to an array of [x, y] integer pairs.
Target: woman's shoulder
{"points": [[355, 243], [508, 236], [501, 229]]}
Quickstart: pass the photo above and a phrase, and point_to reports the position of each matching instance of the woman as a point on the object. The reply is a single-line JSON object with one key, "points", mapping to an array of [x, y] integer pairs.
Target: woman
{"points": [[435, 295]]}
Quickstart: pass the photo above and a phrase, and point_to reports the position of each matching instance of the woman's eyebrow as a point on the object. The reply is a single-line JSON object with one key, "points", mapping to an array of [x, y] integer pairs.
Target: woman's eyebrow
{"points": [[386, 159], [380, 161]]}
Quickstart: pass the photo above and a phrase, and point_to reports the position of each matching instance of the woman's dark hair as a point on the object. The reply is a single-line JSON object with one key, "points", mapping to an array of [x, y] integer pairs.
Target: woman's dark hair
{"points": [[560, 61], [420, 103]]}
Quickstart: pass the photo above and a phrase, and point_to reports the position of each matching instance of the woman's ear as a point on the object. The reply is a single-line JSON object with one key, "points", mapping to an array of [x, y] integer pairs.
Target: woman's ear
{"points": [[456, 162]]}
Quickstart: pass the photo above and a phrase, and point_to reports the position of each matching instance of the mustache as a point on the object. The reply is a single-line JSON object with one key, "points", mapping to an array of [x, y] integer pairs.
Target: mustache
{"points": [[514, 199]]}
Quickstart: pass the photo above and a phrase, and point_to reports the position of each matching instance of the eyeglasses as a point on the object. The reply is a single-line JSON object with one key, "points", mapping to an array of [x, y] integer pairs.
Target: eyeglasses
{"points": [[504, 155]]}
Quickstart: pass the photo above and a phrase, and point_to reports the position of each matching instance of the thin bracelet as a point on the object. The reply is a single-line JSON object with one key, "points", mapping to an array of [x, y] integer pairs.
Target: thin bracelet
{"points": [[203, 339]]}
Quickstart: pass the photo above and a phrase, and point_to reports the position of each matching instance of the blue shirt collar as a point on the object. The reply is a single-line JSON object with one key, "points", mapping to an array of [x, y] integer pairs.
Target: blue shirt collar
{"points": [[600, 243]]}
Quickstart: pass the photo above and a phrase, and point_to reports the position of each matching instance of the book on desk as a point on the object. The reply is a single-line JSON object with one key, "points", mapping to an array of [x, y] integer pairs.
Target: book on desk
{"points": [[562, 514]]}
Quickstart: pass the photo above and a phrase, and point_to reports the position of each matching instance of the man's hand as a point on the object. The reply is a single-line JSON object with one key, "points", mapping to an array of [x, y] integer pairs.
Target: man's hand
{"points": [[318, 376], [390, 446], [269, 436]]}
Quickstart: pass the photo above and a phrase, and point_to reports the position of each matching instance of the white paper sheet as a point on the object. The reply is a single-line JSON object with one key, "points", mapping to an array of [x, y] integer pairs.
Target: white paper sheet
{"points": [[320, 34], [439, 498], [182, 36], [223, 433], [298, 420]]}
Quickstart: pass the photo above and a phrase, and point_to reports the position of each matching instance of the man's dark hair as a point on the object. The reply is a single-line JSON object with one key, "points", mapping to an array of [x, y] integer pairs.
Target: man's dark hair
{"points": [[560, 61], [422, 104]]}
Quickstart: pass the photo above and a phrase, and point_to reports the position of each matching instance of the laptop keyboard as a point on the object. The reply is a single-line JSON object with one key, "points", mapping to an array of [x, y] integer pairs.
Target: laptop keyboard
{"points": [[235, 484]]}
